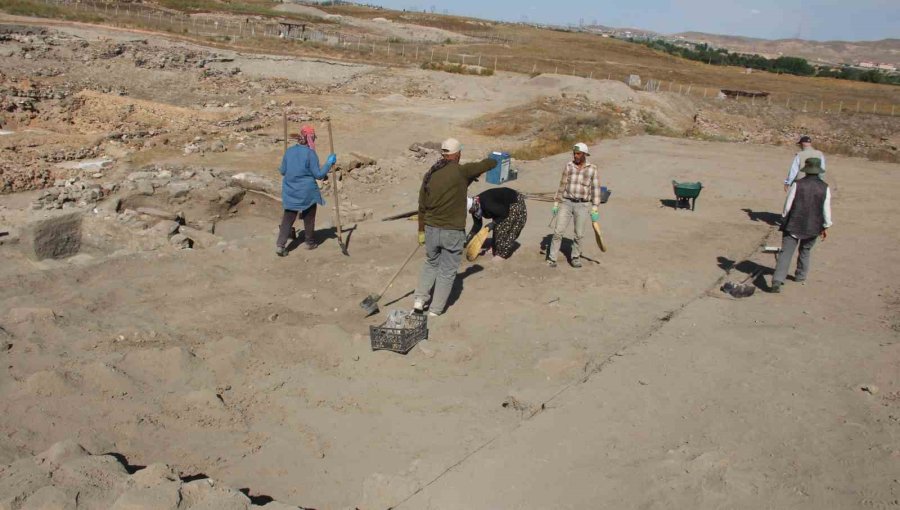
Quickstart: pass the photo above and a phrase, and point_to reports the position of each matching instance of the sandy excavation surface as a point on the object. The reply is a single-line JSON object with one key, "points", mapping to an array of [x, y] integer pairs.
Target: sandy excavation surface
{"points": [[632, 382]]}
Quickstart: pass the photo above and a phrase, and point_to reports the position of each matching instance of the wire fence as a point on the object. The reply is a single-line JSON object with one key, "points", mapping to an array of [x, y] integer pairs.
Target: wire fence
{"points": [[388, 50]]}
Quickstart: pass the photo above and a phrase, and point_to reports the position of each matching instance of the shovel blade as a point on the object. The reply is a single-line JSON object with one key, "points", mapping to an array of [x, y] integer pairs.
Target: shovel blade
{"points": [[370, 304], [742, 290]]}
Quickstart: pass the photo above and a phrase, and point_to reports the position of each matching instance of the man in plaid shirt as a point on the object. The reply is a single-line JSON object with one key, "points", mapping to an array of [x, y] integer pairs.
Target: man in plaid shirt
{"points": [[579, 190]]}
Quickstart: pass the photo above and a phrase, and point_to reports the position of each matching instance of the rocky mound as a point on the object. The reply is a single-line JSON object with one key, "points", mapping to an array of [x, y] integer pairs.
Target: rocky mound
{"points": [[67, 476]]}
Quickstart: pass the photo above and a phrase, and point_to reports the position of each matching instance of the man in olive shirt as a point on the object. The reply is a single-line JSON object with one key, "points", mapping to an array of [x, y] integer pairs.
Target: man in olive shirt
{"points": [[442, 223]]}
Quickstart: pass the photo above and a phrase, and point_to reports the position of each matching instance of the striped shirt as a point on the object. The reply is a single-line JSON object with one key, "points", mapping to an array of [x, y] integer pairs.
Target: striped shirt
{"points": [[580, 184]]}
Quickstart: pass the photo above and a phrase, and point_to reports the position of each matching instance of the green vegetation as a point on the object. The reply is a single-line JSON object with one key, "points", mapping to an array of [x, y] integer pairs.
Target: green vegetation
{"points": [[562, 133], [247, 7], [782, 65], [42, 10]]}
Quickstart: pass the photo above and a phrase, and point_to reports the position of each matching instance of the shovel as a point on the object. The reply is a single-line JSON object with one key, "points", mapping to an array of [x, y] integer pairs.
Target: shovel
{"points": [[337, 198], [370, 304], [742, 290]]}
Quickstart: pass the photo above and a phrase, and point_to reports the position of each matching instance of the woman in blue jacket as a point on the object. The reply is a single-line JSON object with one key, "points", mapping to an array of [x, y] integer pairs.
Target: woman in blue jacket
{"points": [[299, 192]]}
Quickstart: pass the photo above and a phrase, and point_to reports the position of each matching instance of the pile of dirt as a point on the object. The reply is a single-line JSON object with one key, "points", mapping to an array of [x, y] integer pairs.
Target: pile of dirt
{"points": [[553, 124], [863, 135], [68, 476]]}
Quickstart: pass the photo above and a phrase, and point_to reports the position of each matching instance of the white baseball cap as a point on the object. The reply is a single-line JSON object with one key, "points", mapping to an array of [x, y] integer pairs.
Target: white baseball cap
{"points": [[451, 146], [581, 147]]}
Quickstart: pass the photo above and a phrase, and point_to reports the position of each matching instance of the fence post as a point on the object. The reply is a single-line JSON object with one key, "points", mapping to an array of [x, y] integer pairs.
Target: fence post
{"points": [[875, 108], [495, 64], [432, 54], [479, 60], [788, 105], [841, 107], [534, 68], [591, 77], [822, 106], [557, 69], [417, 54]]}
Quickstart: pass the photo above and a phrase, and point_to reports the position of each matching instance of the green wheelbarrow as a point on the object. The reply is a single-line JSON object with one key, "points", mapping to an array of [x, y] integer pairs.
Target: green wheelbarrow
{"points": [[686, 194]]}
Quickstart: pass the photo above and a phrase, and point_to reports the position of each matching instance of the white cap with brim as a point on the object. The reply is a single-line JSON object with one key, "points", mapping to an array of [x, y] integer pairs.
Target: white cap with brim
{"points": [[451, 146], [581, 147]]}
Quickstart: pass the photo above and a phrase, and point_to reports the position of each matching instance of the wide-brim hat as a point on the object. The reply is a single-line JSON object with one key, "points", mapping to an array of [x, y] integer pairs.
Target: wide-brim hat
{"points": [[812, 166]]}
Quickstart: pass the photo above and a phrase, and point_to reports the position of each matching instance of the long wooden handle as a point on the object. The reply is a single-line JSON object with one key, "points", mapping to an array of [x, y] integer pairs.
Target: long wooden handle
{"points": [[391, 281], [334, 188]]}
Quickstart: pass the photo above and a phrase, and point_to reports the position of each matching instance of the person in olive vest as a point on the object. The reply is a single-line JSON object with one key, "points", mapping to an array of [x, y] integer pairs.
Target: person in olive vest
{"points": [[807, 215]]}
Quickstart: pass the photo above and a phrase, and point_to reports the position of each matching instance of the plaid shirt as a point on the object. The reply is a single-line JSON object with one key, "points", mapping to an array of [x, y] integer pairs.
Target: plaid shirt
{"points": [[580, 184]]}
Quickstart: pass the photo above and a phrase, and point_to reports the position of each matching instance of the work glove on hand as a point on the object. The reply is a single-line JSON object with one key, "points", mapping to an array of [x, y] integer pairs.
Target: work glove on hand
{"points": [[421, 238], [555, 209], [595, 214], [332, 159]]}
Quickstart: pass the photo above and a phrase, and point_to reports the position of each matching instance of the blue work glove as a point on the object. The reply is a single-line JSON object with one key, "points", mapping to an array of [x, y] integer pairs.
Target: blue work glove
{"points": [[595, 214], [555, 209], [332, 159]]}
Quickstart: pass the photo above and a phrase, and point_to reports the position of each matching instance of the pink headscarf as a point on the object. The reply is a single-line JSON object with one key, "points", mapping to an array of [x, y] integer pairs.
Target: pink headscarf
{"points": [[308, 135]]}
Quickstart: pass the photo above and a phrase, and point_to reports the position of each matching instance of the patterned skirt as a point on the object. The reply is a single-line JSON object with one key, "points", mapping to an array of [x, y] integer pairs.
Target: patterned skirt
{"points": [[507, 231]]}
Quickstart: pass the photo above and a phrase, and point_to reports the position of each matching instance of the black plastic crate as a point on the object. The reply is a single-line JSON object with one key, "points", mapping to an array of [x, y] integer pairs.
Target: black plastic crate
{"points": [[400, 340]]}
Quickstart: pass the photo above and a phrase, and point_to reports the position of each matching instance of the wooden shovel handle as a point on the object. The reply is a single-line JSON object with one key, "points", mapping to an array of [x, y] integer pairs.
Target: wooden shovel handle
{"points": [[391, 281], [334, 189]]}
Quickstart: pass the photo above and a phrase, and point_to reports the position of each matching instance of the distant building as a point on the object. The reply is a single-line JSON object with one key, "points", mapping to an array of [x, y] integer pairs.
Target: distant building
{"points": [[868, 65], [887, 67]]}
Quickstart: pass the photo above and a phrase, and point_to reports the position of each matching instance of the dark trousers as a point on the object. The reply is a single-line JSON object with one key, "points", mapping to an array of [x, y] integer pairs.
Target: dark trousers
{"points": [[287, 224], [788, 247]]}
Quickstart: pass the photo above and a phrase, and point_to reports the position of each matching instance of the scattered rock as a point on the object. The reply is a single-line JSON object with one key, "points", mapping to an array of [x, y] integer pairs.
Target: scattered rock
{"points": [[200, 239], [166, 228], [871, 389], [145, 188], [231, 195], [181, 241], [160, 213], [178, 189]]}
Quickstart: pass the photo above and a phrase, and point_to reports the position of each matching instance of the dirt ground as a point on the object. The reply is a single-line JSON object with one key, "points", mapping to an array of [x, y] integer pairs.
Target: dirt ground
{"points": [[630, 383]]}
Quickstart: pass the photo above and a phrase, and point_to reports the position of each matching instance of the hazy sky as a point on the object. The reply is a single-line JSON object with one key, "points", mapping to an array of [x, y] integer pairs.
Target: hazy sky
{"points": [[822, 20]]}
